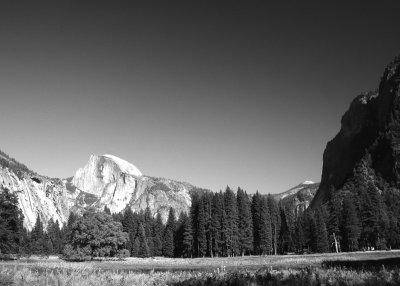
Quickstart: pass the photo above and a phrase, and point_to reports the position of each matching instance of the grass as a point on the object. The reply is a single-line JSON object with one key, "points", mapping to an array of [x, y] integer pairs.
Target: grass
{"points": [[360, 268]]}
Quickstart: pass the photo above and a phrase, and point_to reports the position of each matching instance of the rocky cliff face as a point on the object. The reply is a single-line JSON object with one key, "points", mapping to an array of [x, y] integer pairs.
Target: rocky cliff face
{"points": [[299, 197], [104, 181], [160, 194], [37, 195], [369, 129]]}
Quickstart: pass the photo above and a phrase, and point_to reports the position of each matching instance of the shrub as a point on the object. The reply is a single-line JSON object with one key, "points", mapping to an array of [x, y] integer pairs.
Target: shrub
{"points": [[95, 235]]}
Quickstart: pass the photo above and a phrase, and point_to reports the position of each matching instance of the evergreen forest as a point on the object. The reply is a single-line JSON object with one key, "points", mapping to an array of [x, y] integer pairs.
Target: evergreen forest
{"points": [[219, 224]]}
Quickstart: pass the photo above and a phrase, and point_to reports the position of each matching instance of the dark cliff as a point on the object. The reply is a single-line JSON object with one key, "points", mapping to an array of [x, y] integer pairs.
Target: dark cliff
{"points": [[370, 127]]}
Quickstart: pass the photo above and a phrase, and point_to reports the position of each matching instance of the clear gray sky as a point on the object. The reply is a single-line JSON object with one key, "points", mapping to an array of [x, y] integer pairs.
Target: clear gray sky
{"points": [[209, 92]]}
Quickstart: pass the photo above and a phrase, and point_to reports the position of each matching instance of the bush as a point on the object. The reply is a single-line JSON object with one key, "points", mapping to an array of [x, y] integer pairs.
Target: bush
{"points": [[123, 253], [95, 235], [76, 254]]}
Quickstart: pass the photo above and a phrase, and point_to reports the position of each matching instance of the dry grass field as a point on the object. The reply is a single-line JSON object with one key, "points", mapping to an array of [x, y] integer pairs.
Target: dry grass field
{"points": [[358, 268]]}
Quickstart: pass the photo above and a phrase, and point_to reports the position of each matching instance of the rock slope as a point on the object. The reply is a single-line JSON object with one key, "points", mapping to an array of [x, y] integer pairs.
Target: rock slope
{"points": [[299, 197], [104, 181], [370, 131], [37, 195]]}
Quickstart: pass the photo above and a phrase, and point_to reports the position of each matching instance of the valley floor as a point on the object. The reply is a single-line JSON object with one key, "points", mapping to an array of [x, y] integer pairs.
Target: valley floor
{"points": [[357, 268]]}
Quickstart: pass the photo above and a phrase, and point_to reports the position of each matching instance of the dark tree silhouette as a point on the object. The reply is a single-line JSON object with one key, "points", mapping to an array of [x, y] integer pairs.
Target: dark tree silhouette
{"points": [[245, 223], [11, 223]]}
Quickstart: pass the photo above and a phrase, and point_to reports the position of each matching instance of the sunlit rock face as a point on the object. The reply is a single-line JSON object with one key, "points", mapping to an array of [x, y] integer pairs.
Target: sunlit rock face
{"points": [[37, 196], [111, 180], [160, 194], [298, 198]]}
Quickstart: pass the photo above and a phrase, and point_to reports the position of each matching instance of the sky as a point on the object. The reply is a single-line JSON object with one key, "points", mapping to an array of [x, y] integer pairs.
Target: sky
{"points": [[215, 93]]}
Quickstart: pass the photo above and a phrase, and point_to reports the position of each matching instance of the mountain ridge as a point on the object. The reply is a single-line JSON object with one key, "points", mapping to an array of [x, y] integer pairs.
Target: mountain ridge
{"points": [[107, 180], [111, 181]]}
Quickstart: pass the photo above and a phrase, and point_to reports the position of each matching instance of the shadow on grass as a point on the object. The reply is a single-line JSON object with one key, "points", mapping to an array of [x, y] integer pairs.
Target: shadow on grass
{"points": [[371, 264], [243, 279]]}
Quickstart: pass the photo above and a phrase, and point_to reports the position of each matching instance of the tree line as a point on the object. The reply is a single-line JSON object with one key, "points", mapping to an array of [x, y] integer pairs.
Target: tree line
{"points": [[218, 224]]}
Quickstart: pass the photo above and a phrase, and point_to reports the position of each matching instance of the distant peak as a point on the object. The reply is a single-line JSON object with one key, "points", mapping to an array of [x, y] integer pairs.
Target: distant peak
{"points": [[308, 183]]}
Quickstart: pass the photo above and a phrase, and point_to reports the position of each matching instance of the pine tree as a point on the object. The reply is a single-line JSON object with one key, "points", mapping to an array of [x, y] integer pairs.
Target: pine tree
{"points": [[207, 219], [143, 250], [54, 234], [265, 230], [157, 245], [256, 216], [350, 226], [11, 223], [201, 230], [184, 237], [380, 212], [309, 229], [224, 231], [168, 239], [25, 243], [148, 220], [47, 245], [168, 243], [288, 214], [216, 227], [275, 221], [322, 245], [299, 236], [66, 231], [171, 221], [365, 203], [148, 226], [245, 223], [130, 226], [179, 236], [158, 226], [158, 230], [187, 237], [392, 202], [284, 234], [37, 237], [232, 229], [334, 221], [135, 247], [129, 222], [131, 246]]}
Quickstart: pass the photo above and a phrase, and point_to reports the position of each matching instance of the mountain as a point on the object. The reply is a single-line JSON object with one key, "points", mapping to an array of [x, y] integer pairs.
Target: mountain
{"points": [[104, 181], [367, 147], [299, 197], [36, 195]]}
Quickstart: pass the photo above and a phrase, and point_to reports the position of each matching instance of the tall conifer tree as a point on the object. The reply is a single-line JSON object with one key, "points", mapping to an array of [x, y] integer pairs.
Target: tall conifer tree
{"points": [[350, 227], [158, 230], [201, 230], [265, 230], [256, 215], [322, 234], [168, 238], [143, 250], [245, 223], [275, 221], [216, 210], [11, 223], [37, 237], [232, 229]]}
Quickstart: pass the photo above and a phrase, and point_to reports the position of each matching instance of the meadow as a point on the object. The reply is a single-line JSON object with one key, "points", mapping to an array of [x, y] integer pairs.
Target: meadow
{"points": [[357, 268]]}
